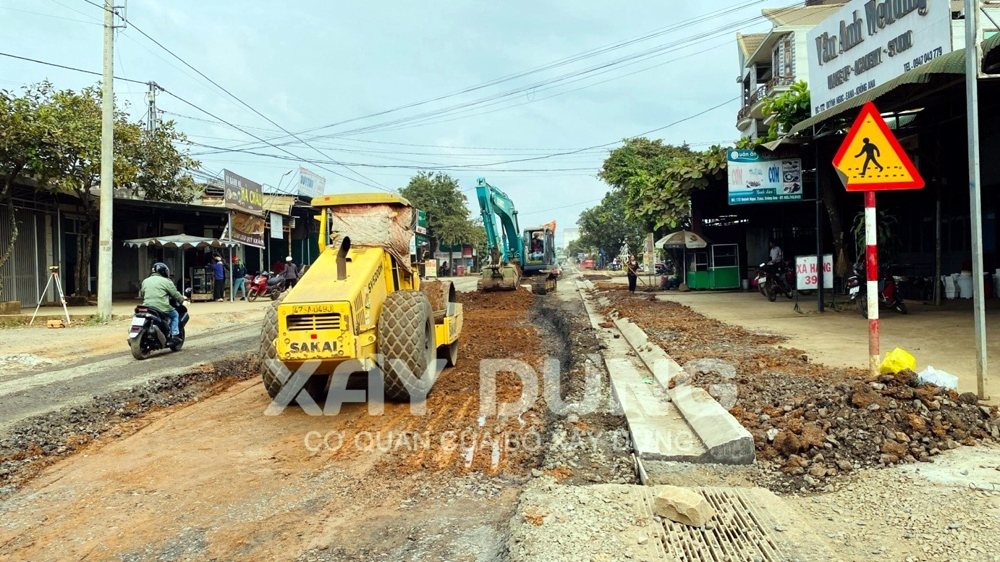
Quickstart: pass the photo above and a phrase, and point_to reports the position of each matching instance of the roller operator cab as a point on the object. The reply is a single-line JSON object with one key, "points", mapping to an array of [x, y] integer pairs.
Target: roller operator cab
{"points": [[361, 307]]}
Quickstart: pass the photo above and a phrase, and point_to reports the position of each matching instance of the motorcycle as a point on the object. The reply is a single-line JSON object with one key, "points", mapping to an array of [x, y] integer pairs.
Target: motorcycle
{"points": [[888, 294], [258, 286], [774, 279], [275, 285], [150, 329]]}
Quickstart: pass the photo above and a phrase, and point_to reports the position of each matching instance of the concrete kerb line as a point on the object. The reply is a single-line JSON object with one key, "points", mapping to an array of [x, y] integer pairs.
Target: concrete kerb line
{"points": [[727, 441], [656, 427]]}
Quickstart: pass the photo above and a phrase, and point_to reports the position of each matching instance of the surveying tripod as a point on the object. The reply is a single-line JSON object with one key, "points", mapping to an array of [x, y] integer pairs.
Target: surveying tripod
{"points": [[53, 278]]}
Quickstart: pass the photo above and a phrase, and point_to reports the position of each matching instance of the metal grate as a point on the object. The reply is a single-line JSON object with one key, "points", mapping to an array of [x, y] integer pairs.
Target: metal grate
{"points": [[742, 530], [310, 322]]}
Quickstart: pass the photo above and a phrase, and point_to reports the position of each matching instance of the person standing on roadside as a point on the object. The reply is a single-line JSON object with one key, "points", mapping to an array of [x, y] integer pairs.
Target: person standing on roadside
{"points": [[239, 278], [291, 273], [219, 271], [633, 272]]}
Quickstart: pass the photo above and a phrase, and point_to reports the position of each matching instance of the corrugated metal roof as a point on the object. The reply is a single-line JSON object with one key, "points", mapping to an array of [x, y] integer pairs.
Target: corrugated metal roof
{"points": [[951, 63], [800, 15], [749, 43]]}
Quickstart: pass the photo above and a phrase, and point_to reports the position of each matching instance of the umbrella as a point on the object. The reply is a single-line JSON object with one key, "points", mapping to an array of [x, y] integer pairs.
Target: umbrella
{"points": [[182, 242], [682, 239]]}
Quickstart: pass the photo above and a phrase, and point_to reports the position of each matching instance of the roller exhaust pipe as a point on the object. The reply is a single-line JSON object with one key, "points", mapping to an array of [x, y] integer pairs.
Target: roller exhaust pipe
{"points": [[345, 245]]}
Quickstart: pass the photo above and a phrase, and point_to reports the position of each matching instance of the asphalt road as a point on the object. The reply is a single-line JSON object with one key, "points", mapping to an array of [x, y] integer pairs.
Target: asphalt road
{"points": [[34, 392]]}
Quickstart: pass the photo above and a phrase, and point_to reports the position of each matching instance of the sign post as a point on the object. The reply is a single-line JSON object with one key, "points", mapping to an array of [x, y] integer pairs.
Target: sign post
{"points": [[869, 160]]}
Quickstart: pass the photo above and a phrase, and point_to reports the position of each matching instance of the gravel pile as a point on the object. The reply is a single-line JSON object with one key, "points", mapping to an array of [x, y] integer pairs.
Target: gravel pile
{"points": [[848, 426], [30, 445], [810, 423]]}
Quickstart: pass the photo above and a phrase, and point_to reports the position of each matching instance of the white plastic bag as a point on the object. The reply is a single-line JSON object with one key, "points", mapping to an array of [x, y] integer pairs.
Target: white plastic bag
{"points": [[940, 378]]}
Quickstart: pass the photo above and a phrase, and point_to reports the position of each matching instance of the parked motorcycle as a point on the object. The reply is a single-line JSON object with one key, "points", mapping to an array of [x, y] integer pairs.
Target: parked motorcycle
{"points": [[774, 279], [258, 286], [888, 294], [150, 329], [275, 286]]}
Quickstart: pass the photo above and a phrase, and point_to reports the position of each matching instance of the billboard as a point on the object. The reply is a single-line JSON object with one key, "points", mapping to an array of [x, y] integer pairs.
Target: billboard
{"points": [[247, 229], [757, 179], [867, 43], [311, 185], [242, 194]]}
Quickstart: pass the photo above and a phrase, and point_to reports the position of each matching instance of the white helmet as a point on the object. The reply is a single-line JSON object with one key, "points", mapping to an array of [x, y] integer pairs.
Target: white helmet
{"points": [[288, 259]]}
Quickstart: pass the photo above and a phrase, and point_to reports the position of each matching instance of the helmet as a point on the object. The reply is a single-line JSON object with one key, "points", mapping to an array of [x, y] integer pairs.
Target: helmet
{"points": [[288, 259], [160, 268], [236, 259]]}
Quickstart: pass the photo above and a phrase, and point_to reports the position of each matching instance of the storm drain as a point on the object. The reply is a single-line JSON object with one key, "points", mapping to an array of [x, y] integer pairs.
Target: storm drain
{"points": [[740, 532]]}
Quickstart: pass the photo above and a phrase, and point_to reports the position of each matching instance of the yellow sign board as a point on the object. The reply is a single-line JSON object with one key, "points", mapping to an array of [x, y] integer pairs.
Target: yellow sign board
{"points": [[871, 159]]}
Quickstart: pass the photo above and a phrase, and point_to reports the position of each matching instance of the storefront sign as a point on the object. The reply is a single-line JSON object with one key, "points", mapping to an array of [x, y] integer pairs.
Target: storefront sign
{"points": [[276, 226], [247, 229], [242, 194], [430, 268], [421, 222], [311, 185], [756, 179], [867, 43], [806, 276]]}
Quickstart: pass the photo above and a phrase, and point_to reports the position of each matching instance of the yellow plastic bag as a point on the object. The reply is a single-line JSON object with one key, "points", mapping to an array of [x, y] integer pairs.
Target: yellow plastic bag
{"points": [[897, 360]]}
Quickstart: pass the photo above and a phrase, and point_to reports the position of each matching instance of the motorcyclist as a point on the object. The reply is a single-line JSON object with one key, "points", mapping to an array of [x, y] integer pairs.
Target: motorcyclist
{"points": [[156, 292]]}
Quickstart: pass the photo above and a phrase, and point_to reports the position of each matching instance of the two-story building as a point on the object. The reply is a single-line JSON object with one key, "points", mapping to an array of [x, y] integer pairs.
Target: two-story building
{"points": [[771, 62]]}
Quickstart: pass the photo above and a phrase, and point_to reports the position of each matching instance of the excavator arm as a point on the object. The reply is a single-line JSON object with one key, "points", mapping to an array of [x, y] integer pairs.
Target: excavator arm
{"points": [[494, 204]]}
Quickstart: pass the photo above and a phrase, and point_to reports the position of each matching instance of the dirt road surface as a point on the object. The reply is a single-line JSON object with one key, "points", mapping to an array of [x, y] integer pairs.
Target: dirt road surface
{"points": [[45, 370], [218, 479]]}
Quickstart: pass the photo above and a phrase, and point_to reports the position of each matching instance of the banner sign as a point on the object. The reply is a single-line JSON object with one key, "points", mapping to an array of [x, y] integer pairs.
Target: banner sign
{"points": [[806, 276], [867, 43], [430, 268], [311, 185], [277, 226], [242, 194], [247, 229], [756, 179], [421, 222]]}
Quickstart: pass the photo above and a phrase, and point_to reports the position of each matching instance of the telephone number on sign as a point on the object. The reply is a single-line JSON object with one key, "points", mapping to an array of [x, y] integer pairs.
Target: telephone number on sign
{"points": [[924, 58]]}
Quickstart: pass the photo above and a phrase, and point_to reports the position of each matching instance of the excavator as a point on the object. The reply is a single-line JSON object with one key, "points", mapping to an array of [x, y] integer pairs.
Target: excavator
{"points": [[514, 254]]}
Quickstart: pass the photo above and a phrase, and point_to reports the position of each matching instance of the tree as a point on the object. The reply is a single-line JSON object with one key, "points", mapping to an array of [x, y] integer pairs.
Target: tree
{"points": [[789, 109], [658, 179], [605, 227], [146, 164], [23, 150], [438, 195]]}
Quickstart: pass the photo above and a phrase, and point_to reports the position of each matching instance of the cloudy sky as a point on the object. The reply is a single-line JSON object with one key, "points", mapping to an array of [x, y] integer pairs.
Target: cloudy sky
{"points": [[530, 95]]}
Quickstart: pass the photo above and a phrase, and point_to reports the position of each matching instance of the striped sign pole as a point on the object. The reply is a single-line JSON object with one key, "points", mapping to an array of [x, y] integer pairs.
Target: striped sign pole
{"points": [[871, 266]]}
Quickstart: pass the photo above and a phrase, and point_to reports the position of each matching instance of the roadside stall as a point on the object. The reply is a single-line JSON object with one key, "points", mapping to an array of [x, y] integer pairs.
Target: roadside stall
{"points": [[198, 278], [696, 262]]}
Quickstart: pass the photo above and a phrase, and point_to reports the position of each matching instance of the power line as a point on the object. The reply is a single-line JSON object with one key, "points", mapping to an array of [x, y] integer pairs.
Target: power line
{"points": [[245, 104], [69, 68], [49, 15]]}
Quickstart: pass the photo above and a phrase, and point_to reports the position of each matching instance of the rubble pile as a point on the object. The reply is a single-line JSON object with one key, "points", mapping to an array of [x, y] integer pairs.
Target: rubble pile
{"points": [[849, 426]]}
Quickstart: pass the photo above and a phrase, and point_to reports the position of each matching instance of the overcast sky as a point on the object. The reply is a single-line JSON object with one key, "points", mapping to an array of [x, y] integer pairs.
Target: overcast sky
{"points": [[314, 63]]}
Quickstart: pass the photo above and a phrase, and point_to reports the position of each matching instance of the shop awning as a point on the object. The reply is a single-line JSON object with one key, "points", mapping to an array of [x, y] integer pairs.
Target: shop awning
{"points": [[182, 241], [991, 55]]}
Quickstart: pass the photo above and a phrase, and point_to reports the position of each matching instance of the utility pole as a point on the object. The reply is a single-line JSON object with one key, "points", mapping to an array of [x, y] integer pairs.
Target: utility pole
{"points": [[975, 201], [152, 120], [105, 247]]}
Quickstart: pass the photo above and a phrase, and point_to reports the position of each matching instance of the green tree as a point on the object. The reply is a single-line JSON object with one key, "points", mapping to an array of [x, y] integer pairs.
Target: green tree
{"points": [[789, 109], [658, 179], [447, 209], [145, 164], [24, 150], [606, 227]]}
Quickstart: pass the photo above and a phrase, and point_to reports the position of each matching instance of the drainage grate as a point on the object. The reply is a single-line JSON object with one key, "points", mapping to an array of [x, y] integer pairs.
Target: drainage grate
{"points": [[742, 532]]}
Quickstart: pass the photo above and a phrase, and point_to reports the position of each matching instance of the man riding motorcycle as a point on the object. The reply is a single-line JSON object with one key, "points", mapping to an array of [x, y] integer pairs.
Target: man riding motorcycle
{"points": [[156, 292]]}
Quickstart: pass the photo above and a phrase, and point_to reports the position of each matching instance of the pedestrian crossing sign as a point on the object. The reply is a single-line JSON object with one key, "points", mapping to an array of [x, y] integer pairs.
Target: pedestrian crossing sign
{"points": [[871, 159]]}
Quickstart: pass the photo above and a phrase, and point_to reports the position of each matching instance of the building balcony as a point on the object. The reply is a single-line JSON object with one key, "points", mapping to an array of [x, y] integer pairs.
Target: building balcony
{"points": [[753, 104]]}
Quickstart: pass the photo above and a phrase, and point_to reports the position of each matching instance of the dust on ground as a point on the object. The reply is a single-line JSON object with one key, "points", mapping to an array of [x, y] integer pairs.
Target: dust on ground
{"points": [[810, 423], [219, 479]]}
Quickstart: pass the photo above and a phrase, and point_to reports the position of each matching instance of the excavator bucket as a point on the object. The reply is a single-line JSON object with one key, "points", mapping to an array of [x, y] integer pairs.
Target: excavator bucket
{"points": [[499, 278]]}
